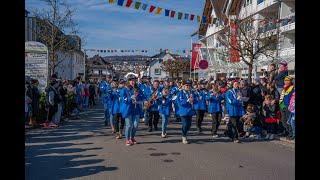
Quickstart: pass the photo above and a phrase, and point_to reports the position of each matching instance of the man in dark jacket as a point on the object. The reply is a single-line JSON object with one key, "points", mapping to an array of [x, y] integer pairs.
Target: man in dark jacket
{"points": [[282, 73], [92, 93]]}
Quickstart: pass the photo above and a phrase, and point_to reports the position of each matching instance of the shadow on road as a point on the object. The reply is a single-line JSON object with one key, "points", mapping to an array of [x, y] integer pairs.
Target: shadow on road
{"points": [[54, 154]]}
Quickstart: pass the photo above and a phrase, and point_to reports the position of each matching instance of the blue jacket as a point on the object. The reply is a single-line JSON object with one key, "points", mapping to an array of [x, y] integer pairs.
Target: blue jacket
{"points": [[280, 78], [185, 108], [233, 105], [115, 100], [165, 105], [106, 91], [128, 107], [201, 99], [214, 102]]}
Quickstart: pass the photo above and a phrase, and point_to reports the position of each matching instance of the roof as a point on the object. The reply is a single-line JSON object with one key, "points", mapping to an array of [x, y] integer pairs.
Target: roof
{"points": [[211, 5]]}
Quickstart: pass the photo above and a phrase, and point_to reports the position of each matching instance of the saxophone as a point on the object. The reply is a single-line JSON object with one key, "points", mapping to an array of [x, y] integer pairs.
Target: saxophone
{"points": [[153, 97]]}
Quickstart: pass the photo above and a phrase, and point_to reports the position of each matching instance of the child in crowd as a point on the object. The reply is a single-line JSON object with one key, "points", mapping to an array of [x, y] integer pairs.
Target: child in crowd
{"points": [[270, 114], [252, 126]]}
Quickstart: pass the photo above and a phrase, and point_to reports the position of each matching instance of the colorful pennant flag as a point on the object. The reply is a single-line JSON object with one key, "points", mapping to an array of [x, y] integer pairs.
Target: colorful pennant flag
{"points": [[152, 8], [204, 19], [198, 18], [167, 11], [179, 15], [186, 16], [129, 2], [104, 51], [120, 2], [192, 17], [111, 1], [144, 6], [172, 14], [137, 5], [158, 10]]}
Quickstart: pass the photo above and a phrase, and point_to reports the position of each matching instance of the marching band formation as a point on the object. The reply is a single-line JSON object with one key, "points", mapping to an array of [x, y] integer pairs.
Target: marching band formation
{"points": [[126, 102]]}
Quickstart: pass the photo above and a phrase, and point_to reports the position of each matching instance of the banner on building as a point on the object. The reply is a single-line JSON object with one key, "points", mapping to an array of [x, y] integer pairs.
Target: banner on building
{"points": [[234, 53], [195, 56], [36, 63]]}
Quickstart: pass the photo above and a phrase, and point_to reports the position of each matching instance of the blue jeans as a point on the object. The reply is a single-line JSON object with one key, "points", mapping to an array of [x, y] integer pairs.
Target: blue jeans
{"points": [[255, 130], [165, 119], [186, 124], [106, 114], [85, 101], [292, 123], [131, 126]]}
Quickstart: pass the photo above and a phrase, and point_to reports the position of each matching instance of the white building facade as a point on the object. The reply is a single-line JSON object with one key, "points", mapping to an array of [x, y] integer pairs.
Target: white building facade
{"points": [[283, 11], [72, 64]]}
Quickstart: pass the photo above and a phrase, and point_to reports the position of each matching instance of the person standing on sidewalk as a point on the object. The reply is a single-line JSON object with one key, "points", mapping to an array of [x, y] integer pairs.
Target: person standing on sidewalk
{"points": [[235, 110], [92, 94], [201, 105], [214, 99], [165, 110], [282, 73], [186, 103], [35, 101], [132, 98], [288, 90], [292, 121]]}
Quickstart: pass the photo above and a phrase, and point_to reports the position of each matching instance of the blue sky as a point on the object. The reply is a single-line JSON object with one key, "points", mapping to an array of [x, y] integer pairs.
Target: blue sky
{"points": [[109, 26]]}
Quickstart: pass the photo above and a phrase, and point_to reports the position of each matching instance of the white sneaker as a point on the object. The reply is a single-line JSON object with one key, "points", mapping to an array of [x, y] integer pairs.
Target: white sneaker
{"points": [[184, 140], [163, 135], [258, 137], [271, 137], [215, 136], [252, 136], [267, 136]]}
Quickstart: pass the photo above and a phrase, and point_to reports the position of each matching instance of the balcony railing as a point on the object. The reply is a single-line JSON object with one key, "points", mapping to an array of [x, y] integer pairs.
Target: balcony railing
{"points": [[288, 20], [267, 28]]}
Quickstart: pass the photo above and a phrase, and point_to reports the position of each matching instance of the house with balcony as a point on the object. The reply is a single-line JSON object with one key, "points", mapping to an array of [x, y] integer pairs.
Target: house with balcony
{"points": [[280, 25]]}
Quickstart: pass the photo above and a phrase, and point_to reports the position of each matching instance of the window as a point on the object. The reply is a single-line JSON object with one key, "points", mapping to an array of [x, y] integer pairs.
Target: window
{"points": [[247, 3], [157, 71], [259, 1]]}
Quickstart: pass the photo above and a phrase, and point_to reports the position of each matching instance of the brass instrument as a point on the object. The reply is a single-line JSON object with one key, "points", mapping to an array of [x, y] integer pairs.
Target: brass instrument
{"points": [[153, 97]]}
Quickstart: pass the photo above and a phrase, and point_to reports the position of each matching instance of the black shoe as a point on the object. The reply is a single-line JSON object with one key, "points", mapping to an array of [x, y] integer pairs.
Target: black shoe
{"points": [[150, 130]]}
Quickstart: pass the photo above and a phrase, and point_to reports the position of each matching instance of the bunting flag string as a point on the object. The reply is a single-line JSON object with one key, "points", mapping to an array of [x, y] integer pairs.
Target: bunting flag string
{"points": [[137, 5], [120, 2], [167, 11], [129, 2], [172, 14], [144, 6], [179, 15], [152, 8], [125, 51], [158, 10], [192, 17]]}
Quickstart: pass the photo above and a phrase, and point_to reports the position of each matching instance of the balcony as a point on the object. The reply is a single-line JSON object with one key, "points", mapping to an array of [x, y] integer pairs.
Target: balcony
{"points": [[267, 27], [288, 23]]}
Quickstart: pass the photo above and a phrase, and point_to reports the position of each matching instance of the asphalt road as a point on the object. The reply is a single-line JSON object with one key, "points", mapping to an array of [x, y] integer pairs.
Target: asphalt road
{"points": [[85, 149]]}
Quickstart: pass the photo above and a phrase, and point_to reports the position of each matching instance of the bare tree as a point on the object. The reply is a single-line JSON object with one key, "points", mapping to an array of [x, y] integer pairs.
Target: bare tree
{"points": [[250, 43], [53, 23], [175, 67]]}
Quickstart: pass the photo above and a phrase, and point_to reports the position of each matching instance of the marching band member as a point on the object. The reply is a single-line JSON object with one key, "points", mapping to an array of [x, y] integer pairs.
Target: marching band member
{"points": [[152, 106], [131, 108], [145, 86], [214, 99], [117, 116], [235, 110], [165, 109], [201, 105], [186, 103], [105, 91]]}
